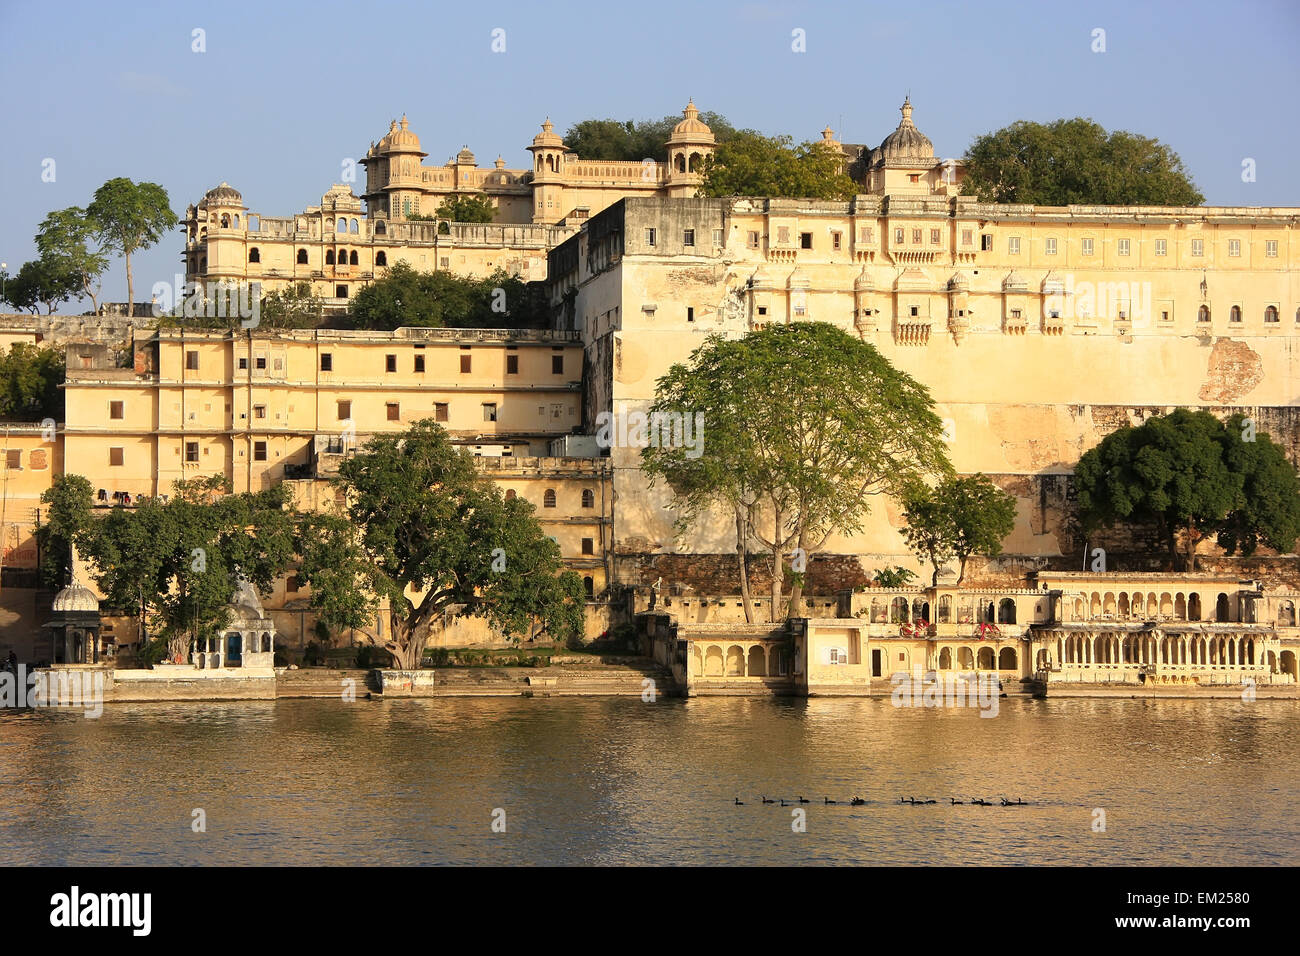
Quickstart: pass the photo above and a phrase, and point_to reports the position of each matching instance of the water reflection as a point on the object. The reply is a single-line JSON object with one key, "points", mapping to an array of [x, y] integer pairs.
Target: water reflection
{"points": [[618, 781]]}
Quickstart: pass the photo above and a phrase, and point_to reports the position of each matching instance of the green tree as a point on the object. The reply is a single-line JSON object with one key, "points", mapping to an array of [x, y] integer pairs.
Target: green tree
{"points": [[895, 577], [476, 208], [70, 500], [751, 164], [296, 308], [1075, 161], [29, 383], [813, 422], [406, 297], [959, 517], [41, 282], [1186, 474], [68, 241], [129, 217], [630, 141], [426, 533], [176, 562]]}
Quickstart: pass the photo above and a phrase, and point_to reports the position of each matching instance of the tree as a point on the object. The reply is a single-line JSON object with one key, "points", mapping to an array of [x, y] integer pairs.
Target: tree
{"points": [[67, 240], [630, 141], [476, 208], [406, 297], [70, 499], [960, 517], [176, 562], [424, 532], [296, 308], [810, 421], [41, 282], [1186, 474], [130, 217], [29, 383], [1075, 161], [895, 577], [750, 164]]}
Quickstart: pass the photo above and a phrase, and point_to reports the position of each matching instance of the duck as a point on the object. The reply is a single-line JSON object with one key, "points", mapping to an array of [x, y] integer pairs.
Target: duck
{"points": [[739, 802], [802, 800], [827, 801], [975, 801], [783, 803], [929, 801], [857, 802], [765, 800], [1013, 803], [954, 802]]}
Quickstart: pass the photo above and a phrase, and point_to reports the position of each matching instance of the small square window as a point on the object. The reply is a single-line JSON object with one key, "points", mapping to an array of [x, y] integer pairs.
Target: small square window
{"points": [[260, 363], [115, 456], [752, 240], [1270, 248], [690, 314], [259, 451], [967, 237], [191, 451], [192, 361], [588, 545], [419, 363], [344, 410], [1124, 247], [898, 237], [326, 362], [439, 411], [1013, 246], [837, 240], [1049, 247], [557, 364], [512, 364], [916, 237], [1162, 247], [986, 243], [243, 363], [465, 364], [934, 237], [393, 410], [259, 411], [649, 237], [1234, 247], [1085, 247], [390, 363], [13, 458], [292, 585], [1198, 247], [916, 311], [717, 237], [805, 240], [115, 410], [688, 237], [489, 411]]}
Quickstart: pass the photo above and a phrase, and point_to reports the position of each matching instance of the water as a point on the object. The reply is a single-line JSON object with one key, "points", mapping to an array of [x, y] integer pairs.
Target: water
{"points": [[619, 781]]}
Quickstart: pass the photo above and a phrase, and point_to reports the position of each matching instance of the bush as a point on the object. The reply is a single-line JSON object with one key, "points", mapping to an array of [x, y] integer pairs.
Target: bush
{"points": [[312, 655]]}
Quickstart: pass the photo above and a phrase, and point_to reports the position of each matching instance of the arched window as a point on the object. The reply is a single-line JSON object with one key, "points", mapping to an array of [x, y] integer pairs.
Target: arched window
{"points": [[548, 499], [680, 162], [1006, 611], [343, 225], [1270, 314], [254, 255], [380, 228], [236, 220], [1235, 314], [353, 226], [329, 257], [1203, 314], [381, 258], [353, 260], [588, 587], [225, 221], [302, 257], [693, 166], [588, 498]]}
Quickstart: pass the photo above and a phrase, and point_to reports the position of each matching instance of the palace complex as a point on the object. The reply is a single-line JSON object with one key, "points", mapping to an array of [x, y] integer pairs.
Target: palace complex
{"points": [[1037, 331]]}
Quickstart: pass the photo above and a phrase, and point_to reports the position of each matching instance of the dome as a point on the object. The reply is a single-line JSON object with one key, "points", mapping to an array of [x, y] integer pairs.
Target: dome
{"points": [[75, 598], [245, 601], [548, 136], [691, 129], [863, 281], [400, 138], [224, 194], [465, 157], [906, 142]]}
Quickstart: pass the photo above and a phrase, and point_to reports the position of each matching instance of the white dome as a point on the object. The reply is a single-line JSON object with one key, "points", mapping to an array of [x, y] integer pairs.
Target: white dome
{"points": [[75, 598]]}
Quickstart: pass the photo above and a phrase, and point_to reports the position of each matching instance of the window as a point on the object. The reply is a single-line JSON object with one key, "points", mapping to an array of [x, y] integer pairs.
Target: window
{"points": [[1270, 248], [1049, 247], [690, 314], [868, 234], [805, 240], [717, 237], [115, 410], [393, 411], [915, 311], [340, 292], [1198, 247], [1123, 247], [259, 411], [115, 456], [302, 257], [292, 585], [1203, 314], [837, 240], [444, 262], [934, 237], [588, 498], [1235, 314], [1013, 246], [557, 364], [752, 240], [688, 237], [588, 545], [1085, 247], [191, 361], [329, 257], [439, 411], [649, 237], [327, 362], [381, 258], [243, 364], [489, 411], [390, 363], [967, 237], [914, 177], [512, 364], [260, 363], [344, 410], [916, 237], [13, 458], [419, 363], [1162, 247], [1234, 247], [465, 364], [898, 237], [1015, 315], [986, 243], [259, 451], [192, 452], [548, 499], [762, 310], [1270, 314]]}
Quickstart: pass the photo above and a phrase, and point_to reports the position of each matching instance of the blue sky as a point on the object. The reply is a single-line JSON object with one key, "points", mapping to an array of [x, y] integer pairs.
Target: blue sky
{"points": [[286, 91]]}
